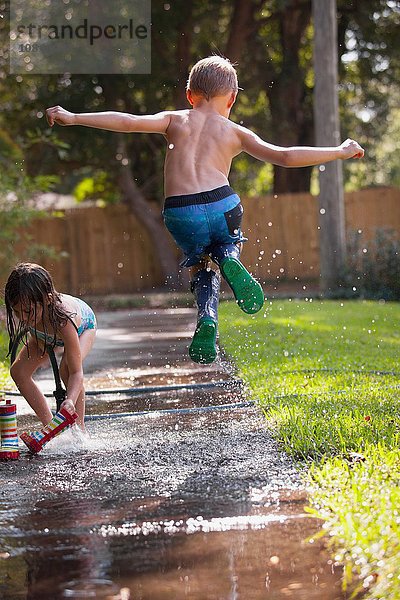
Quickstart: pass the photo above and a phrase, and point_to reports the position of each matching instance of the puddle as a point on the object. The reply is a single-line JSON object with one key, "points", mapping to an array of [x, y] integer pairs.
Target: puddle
{"points": [[62, 550], [162, 508]]}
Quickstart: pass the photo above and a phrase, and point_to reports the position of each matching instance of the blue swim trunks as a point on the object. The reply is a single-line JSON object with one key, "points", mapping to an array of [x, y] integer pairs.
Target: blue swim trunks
{"points": [[197, 222]]}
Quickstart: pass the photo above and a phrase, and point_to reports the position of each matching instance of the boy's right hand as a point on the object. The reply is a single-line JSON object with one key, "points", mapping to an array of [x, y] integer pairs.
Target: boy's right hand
{"points": [[58, 114], [351, 149]]}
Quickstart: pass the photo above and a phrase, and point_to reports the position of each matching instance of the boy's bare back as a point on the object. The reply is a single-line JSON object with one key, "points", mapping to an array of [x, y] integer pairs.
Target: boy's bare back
{"points": [[201, 145]]}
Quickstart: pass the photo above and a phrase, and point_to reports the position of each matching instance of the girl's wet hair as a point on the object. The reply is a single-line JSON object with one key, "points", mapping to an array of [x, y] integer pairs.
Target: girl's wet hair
{"points": [[31, 285]]}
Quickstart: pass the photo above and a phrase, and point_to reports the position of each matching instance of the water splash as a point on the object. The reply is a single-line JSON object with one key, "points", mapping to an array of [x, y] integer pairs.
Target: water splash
{"points": [[193, 525]]}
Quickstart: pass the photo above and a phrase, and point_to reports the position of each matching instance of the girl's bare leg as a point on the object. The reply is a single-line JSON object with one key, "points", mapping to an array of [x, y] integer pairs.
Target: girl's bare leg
{"points": [[22, 370], [86, 342]]}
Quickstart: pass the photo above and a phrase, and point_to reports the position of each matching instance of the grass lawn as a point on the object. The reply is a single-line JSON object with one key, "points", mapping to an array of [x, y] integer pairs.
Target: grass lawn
{"points": [[326, 375], [4, 363]]}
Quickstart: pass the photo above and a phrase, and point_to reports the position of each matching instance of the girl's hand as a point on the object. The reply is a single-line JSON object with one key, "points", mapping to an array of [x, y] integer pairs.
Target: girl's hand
{"points": [[57, 114], [351, 149], [68, 406]]}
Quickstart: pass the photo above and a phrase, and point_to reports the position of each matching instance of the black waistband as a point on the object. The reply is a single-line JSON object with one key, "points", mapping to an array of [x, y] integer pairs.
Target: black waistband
{"points": [[199, 198]]}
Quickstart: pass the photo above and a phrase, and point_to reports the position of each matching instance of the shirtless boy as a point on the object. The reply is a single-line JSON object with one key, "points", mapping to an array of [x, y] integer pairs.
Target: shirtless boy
{"points": [[201, 210]]}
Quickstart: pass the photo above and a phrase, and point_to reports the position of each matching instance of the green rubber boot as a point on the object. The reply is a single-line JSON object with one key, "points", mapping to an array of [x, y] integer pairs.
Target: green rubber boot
{"points": [[247, 291], [203, 348]]}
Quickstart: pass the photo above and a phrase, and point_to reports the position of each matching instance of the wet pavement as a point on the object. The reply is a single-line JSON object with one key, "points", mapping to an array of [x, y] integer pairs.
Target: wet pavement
{"points": [[158, 504]]}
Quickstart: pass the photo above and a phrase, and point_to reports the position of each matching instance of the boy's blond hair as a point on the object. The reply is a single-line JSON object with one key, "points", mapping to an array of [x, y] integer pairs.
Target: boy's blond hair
{"points": [[212, 76]]}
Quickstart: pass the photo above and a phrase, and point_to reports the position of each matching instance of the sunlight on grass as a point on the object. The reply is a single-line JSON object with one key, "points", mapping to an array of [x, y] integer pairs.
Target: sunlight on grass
{"points": [[326, 375], [360, 504], [4, 365]]}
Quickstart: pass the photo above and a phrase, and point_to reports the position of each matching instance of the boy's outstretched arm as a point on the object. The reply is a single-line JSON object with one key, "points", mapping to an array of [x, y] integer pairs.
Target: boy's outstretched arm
{"points": [[112, 121], [296, 156]]}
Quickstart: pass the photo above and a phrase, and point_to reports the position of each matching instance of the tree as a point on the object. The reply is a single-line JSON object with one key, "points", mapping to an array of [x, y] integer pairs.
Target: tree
{"points": [[272, 43], [327, 128], [281, 47], [369, 75]]}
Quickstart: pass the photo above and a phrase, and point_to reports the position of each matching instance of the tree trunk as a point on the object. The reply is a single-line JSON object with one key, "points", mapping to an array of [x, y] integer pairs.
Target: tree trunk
{"points": [[242, 25], [291, 181], [290, 112], [135, 199], [183, 55], [326, 107], [153, 224]]}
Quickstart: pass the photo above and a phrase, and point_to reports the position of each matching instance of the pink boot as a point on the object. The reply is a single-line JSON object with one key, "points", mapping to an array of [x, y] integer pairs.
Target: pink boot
{"points": [[37, 439]]}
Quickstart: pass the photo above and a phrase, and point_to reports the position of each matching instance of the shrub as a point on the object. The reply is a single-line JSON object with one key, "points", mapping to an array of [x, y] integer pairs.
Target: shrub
{"points": [[16, 213], [372, 268]]}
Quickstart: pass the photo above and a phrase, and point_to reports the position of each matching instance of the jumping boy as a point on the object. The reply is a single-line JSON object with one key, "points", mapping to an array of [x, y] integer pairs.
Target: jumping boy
{"points": [[201, 210]]}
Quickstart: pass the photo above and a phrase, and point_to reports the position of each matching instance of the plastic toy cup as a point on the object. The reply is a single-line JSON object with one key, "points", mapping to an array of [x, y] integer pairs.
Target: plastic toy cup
{"points": [[8, 428]]}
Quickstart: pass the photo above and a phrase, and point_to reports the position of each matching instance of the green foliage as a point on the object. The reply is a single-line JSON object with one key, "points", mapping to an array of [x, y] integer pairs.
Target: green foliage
{"points": [[9, 150], [372, 269], [274, 67], [14, 218], [251, 179], [325, 374], [16, 214], [4, 366], [97, 187], [369, 76]]}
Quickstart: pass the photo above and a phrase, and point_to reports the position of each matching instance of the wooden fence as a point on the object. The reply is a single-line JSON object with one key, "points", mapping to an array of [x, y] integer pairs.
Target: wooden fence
{"points": [[284, 231], [105, 250]]}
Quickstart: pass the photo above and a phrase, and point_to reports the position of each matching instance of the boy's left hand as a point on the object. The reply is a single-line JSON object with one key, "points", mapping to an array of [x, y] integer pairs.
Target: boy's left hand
{"points": [[351, 149]]}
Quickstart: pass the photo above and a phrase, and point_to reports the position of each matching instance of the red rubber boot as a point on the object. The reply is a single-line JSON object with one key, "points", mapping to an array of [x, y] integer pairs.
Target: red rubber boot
{"points": [[36, 440]]}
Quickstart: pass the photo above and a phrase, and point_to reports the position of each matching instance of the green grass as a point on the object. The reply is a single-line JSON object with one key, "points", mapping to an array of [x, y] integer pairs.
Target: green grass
{"points": [[326, 375], [4, 363]]}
